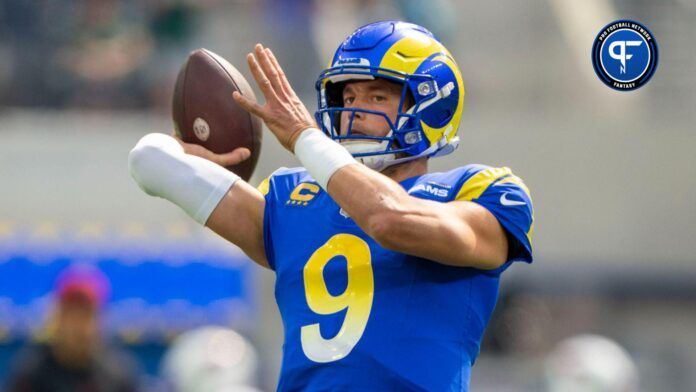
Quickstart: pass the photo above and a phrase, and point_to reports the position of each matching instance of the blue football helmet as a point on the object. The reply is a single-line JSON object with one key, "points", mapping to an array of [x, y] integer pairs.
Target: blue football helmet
{"points": [[411, 56]]}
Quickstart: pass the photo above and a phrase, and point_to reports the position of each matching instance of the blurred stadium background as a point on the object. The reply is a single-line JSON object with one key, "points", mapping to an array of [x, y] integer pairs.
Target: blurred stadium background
{"points": [[613, 175]]}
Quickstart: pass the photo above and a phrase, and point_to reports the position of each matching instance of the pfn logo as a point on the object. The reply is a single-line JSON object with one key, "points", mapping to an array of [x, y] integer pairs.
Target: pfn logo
{"points": [[621, 55], [624, 55]]}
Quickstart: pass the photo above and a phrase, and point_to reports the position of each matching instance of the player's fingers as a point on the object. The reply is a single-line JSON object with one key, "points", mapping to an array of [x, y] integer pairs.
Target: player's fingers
{"points": [[248, 104], [261, 79], [234, 157], [268, 68], [287, 88]]}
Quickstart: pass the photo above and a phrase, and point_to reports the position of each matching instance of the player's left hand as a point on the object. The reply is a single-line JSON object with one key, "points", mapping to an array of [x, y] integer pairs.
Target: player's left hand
{"points": [[284, 113], [227, 159]]}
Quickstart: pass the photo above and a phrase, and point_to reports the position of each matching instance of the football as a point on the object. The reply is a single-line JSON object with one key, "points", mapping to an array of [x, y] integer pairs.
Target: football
{"points": [[205, 113]]}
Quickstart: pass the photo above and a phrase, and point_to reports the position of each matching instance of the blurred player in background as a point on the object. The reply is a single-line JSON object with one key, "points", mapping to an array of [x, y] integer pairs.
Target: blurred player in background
{"points": [[386, 274], [75, 358], [211, 359], [590, 363]]}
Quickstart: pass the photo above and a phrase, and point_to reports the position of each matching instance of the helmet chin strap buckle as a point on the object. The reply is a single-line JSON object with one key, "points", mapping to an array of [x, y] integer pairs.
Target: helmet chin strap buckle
{"points": [[448, 148]]}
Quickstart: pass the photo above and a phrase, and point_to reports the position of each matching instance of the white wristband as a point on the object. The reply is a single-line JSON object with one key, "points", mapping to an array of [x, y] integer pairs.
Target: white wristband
{"points": [[161, 168], [320, 155]]}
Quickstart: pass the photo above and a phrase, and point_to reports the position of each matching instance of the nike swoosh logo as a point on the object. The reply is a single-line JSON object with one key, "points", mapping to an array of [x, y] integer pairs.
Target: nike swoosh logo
{"points": [[507, 202]]}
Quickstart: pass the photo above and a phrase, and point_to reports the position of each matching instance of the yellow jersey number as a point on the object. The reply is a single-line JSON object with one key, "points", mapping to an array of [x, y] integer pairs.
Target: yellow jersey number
{"points": [[357, 297]]}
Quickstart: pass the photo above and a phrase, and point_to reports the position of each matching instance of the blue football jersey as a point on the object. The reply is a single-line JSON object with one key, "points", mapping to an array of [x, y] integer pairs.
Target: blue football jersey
{"points": [[359, 317]]}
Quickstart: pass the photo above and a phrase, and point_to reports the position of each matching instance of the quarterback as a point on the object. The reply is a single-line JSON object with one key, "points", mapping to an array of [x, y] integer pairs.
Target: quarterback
{"points": [[386, 274]]}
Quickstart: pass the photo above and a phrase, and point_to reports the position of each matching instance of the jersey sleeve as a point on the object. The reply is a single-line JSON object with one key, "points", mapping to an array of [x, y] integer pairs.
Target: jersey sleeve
{"points": [[509, 200], [268, 216], [264, 186]]}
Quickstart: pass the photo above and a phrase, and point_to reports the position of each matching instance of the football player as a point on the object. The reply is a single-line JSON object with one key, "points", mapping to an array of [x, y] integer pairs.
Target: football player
{"points": [[386, 275]]}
